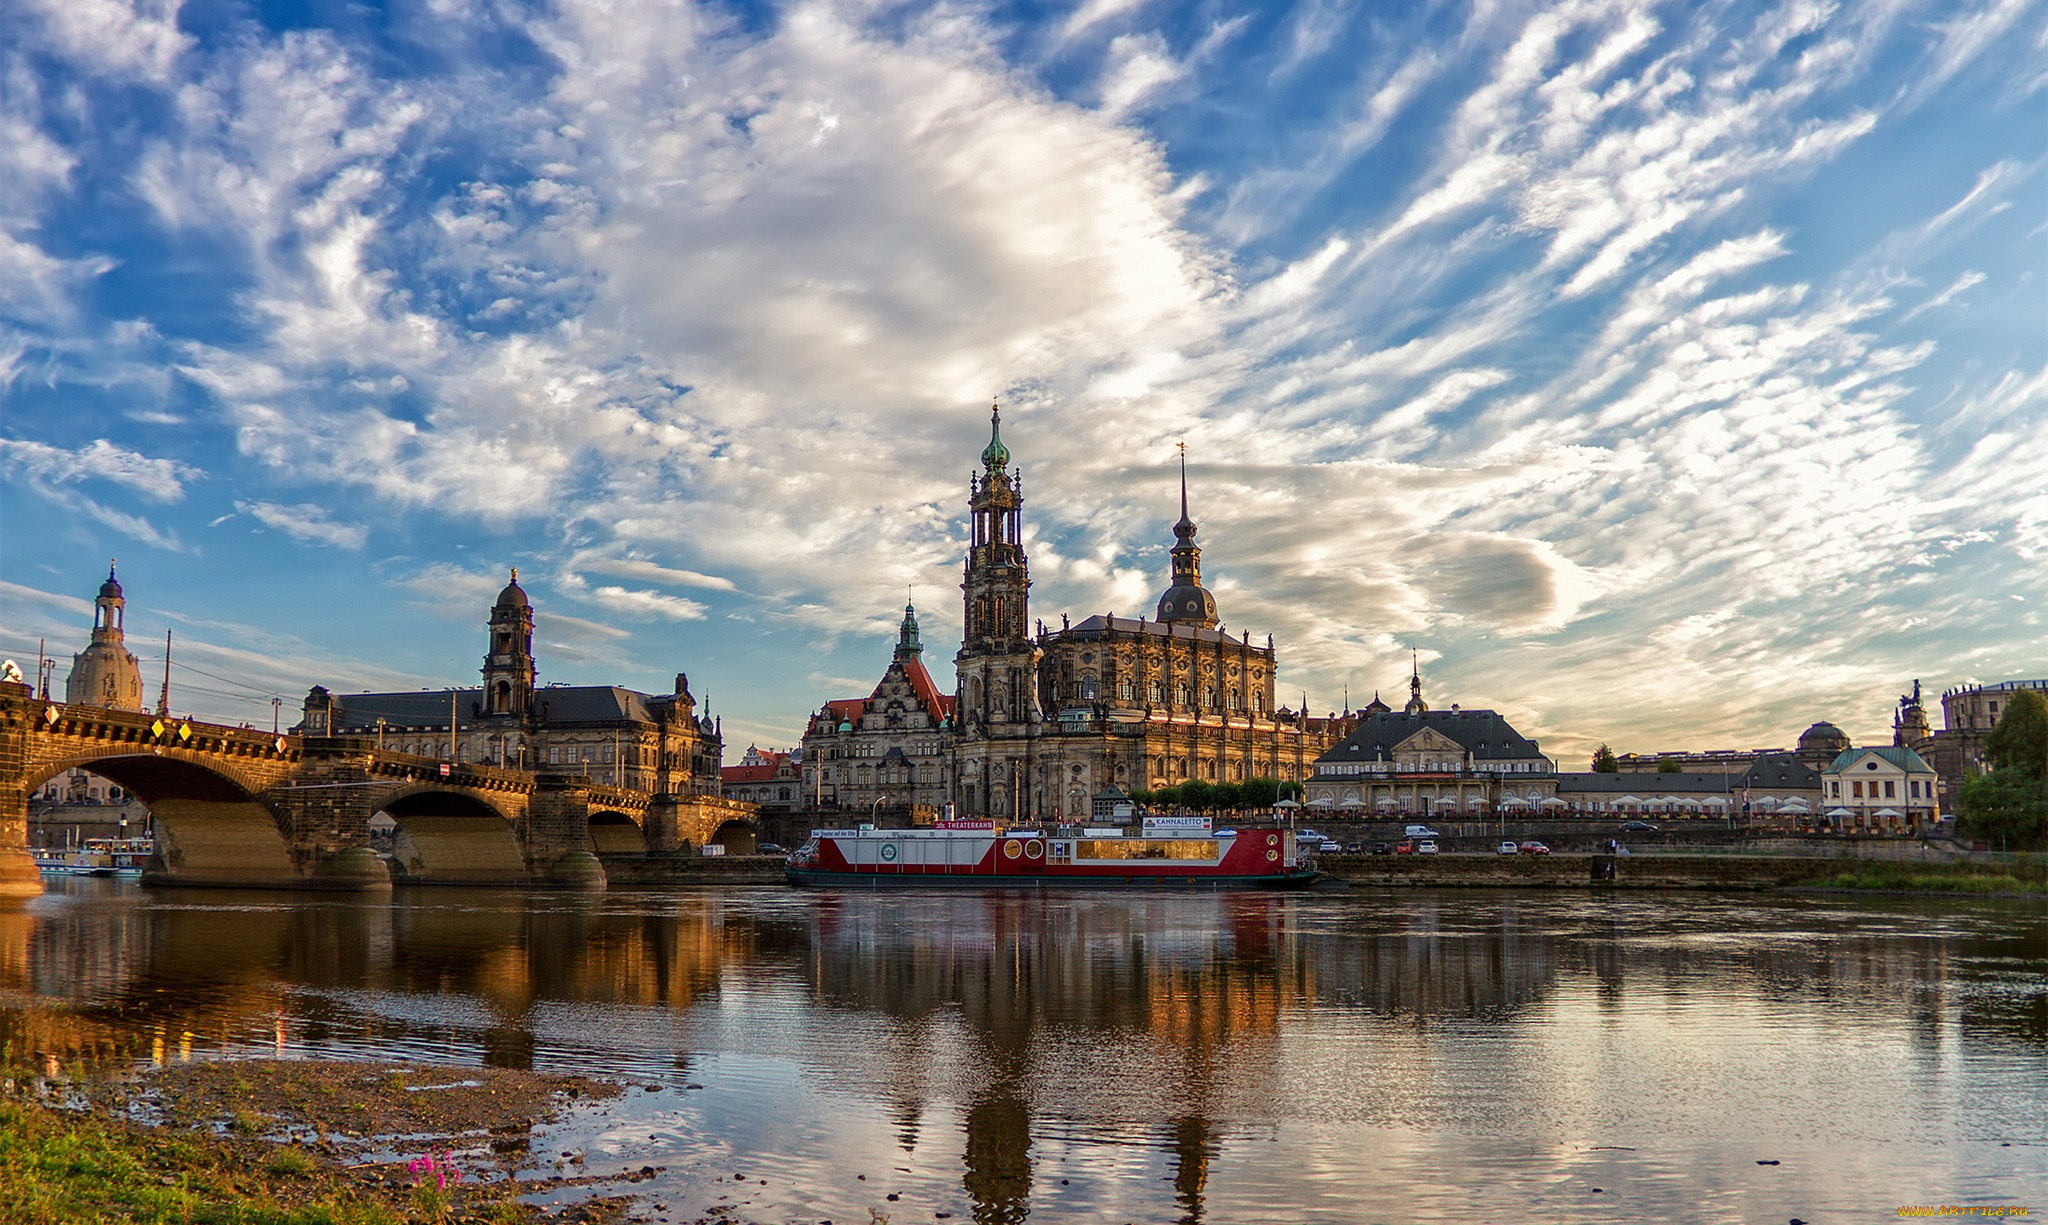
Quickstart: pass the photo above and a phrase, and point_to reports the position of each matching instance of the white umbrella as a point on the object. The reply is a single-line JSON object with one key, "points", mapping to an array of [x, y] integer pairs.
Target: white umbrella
{"points": [[1322, 801], [1888, 812], [1514, 802], [1554, 802], [1717, 801], [1288, 804], [1797, 806], [1840, 812]]}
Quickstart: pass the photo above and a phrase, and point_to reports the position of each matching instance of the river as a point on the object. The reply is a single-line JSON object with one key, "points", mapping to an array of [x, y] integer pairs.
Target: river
{"points": [[1356, 1057]]}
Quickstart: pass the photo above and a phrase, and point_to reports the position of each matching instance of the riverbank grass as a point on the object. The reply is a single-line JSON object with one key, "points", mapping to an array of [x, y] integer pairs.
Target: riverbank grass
{"points": [[61, 1167], [1886, 877]]}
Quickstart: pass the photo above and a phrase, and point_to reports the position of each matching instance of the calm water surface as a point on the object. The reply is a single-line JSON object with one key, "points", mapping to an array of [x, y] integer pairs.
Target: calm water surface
{"points": [[1370, 1056]]}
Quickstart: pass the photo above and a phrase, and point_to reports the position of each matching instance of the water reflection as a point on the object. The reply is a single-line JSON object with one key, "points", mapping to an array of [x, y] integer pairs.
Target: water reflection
{"points": [[1059, 1035]]}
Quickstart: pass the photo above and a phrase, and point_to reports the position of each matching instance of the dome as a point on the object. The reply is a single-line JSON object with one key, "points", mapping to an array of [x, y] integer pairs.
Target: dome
{"points": [[512, 596], [111, 589], [1186, 602], [1824, 735]]}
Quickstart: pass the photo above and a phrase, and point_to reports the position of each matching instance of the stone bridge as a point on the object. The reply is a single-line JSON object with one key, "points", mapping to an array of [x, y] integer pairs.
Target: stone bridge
{"points": [[238, 807]]}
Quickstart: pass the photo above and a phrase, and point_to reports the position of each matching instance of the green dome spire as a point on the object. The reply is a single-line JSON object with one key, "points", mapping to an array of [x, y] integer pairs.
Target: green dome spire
{"points": [[995, 455]]}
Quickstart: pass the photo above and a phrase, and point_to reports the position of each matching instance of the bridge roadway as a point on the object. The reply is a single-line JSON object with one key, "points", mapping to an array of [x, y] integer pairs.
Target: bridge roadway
{"points": [[238, 807]]}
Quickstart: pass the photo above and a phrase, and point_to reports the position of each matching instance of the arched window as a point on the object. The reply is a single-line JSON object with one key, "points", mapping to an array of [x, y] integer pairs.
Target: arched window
{"points": [[1088, 689]]}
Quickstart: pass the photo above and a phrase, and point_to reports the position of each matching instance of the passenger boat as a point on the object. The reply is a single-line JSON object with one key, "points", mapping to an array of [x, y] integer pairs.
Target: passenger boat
{"points": [[981, 855], [124, 857]]}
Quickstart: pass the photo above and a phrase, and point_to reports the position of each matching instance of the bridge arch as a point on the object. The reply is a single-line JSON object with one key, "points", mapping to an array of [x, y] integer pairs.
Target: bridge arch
{"points": [[212, 826], [613, 832], [738, 836], [453, 835]]}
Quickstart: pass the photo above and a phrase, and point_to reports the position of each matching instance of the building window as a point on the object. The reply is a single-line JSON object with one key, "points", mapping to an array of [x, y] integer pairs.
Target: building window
{"points": [[1856, 789], [1888, 789]]}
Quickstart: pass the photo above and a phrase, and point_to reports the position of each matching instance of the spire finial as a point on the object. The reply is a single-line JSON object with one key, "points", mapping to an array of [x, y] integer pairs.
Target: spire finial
{"points": [[515, 574], [110, 569], [995, 455], [1182, 446]]}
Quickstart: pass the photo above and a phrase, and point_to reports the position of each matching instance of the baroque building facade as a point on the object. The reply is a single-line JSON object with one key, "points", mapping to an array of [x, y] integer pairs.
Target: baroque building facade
{"points": [[1433, 762], [1046, 720], [891, 750], [618, 737]]}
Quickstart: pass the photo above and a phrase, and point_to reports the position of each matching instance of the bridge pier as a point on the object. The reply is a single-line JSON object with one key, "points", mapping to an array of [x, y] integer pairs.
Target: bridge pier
{"points": [[18, 875], [557, 834]]}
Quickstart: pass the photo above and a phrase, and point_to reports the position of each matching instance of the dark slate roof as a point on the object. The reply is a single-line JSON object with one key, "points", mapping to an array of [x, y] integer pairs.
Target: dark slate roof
{"points": [[1098, 627], [1652, 784], [1485, 735], [1782, 770], [357, 713]]}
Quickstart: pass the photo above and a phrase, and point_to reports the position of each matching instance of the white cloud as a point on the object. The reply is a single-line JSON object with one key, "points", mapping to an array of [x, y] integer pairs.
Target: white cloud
{"points": [[158, 480], [307, 523], [646, 604]]}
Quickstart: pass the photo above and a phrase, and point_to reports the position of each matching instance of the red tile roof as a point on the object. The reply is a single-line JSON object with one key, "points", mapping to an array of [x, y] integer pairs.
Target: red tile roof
{"points": [[939, 704], [747, 774]]}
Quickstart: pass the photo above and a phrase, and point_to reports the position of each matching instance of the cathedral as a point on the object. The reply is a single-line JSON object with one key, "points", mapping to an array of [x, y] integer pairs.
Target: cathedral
{"points": [[1041, 722]]}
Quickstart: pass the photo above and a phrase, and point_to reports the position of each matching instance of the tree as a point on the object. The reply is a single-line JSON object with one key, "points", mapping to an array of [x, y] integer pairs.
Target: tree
{"points": [[1665, 765], [2006, 808], [1260, 792], [1197, 795], [2020, 740], [1227, 796], [2009, 806], [1605, 762]]}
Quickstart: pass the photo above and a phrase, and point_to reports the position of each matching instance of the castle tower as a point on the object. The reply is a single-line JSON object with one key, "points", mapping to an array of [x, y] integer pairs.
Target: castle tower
{"points": [[1415, 706], [508, 669], [105, 673], [1187, 602], [908, 648]]}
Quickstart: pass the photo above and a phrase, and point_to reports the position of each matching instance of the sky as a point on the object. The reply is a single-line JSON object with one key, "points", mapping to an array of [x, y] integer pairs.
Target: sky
{"points": [[1662, 375]]}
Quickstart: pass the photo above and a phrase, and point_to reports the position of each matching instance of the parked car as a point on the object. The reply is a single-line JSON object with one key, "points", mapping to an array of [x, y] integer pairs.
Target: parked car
{"points": [[1535, 848], [1327, 847], [770, 848], [1382, 848], [1421, 831], [1404, 847], [1354, 848], [1426, 848], [1509, 848], [1637, 827]]}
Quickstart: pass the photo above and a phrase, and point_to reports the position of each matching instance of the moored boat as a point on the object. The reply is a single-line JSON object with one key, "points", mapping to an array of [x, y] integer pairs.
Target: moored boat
{"points": [[123, 857], [979, 854]]}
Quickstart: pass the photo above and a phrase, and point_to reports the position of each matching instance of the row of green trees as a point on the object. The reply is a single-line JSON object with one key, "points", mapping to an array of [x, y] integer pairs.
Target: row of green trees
{"points": [[1196, 795], [2008, 807]]}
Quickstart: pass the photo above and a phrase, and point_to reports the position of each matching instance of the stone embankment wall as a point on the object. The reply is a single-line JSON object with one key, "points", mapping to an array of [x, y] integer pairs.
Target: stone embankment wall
{"points": [[629, 871], [1575, 871]]}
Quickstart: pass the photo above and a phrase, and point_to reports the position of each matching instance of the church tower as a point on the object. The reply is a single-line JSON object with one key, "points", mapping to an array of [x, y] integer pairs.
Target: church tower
{"points": [[105, 673], [508, 669], [1187, 602], [996, 652], [997, 662]]}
